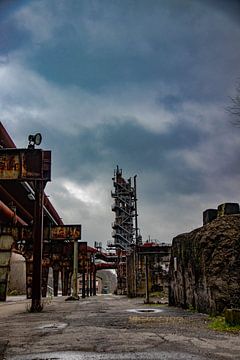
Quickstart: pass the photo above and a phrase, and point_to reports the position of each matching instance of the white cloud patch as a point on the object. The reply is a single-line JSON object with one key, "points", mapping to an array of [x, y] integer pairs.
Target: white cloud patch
{"points": [[88, 194], [88, 205], [39, 20], [29, 97]]}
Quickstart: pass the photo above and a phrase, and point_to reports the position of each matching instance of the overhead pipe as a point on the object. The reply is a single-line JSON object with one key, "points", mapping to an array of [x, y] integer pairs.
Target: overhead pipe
{"points": [[15, 202], [4, 209], [47, 206]]}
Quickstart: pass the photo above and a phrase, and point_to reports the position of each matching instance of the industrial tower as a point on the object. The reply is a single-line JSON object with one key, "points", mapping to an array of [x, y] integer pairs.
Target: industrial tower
{"points": [[125, 226]]}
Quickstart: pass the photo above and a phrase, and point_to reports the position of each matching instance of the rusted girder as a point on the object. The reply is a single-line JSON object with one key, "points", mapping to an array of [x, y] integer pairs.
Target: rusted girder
{"points": [[57, 252]]}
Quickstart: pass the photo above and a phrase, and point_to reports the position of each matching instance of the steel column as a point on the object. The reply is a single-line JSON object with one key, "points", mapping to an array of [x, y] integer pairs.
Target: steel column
{"points": [[75, 270], [55, 280], [83, 283], [94, 283], [6, 243], [45, 272], [37, 248]]}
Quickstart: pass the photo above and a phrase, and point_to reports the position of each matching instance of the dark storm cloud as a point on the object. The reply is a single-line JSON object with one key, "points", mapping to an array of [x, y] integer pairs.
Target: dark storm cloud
{"points": [[99, 44], [132, 146], [141, 84]]}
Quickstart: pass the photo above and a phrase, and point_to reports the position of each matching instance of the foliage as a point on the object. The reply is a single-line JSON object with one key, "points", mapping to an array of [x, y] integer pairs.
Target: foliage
{"points": [[15, 293], [192, 309], [156, 294]]}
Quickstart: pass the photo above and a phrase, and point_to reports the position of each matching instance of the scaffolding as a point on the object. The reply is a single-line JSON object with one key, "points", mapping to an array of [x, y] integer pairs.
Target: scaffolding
{"points": [[125, 227]]}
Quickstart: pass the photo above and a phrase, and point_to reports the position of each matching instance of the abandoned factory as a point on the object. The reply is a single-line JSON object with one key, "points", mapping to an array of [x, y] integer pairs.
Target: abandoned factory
{"points": [[42, 256]]}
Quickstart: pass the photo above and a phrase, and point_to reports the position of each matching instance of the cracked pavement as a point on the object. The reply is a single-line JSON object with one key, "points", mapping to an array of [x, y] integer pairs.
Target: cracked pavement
{"points": [[110, 327]]}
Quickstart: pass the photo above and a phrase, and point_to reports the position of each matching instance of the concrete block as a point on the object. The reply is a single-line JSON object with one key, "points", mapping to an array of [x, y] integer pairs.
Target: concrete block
{"points": [[232, 316]]}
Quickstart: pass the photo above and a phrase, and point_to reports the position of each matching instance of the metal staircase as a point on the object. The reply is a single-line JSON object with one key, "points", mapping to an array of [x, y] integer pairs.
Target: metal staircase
{"points": [[125, 207]]}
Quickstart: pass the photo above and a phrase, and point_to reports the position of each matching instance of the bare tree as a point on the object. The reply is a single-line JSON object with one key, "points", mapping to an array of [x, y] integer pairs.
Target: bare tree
{"points": [[234, 107]]}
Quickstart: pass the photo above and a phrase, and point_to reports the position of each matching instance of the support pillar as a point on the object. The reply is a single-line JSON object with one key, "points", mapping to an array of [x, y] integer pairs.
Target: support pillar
{"points": [[91, 283], [6, 242], [83, 284], [147, 279], [29, 270], [45, 272], [75, 270], [87, 291], [69, 283], [94, 283], [55, 279], [65, 281], [37, 248]]}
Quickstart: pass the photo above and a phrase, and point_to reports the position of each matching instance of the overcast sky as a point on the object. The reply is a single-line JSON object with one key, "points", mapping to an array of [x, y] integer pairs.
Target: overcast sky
{"points": [[142, 84]]}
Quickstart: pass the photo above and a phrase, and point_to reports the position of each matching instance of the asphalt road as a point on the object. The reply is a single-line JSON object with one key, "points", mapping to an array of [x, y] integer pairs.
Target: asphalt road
{"points": [[110, 327]]}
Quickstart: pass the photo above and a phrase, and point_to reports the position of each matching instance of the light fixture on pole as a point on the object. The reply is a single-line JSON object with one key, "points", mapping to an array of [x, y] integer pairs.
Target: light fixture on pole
{"points": [[34, 140]]}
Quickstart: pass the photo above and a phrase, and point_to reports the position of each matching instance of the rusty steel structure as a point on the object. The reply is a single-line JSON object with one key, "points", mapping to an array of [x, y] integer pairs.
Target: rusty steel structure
{"points": [[22, 165], [23, 203], [31, 226], [57, 252], [147, 267], [125, 226]]}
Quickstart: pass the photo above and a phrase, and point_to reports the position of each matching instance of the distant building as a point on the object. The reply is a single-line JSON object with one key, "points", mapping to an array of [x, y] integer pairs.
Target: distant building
{"points": [[150, 259]]}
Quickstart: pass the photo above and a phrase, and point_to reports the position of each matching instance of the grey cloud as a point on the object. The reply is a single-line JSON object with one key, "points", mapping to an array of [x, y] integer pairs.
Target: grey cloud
{"points": [[134, 148], [96, 45], [186, 52]]}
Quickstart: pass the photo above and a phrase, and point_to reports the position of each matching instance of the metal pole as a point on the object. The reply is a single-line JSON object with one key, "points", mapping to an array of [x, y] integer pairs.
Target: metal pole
{"points": [[147, 280], [135, 205], [136, 237], [87, 278], [94, 282], [91, 282], [37, 248], [75, 270], [135, 269], [83, 282], [55, 280]]}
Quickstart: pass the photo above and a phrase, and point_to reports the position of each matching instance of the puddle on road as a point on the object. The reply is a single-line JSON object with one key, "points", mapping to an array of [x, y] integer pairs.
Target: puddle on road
{"points": [[163, 355], [52, 326], [142, 311]]}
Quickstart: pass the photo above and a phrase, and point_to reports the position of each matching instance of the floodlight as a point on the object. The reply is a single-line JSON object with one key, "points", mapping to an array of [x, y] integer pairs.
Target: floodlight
{"points": [[34, 140], [38, 139]]}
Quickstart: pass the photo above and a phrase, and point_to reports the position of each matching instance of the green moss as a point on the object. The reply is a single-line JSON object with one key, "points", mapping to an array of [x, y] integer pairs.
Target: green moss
{"points": [[156, 294], [218, 323], [156, 304], [15, 293], [192, 309]]}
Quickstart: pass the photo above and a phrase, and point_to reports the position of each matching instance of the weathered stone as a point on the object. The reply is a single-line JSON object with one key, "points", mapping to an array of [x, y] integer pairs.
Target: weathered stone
{"points": [[228, 209], [209, 215], [205, 267]]}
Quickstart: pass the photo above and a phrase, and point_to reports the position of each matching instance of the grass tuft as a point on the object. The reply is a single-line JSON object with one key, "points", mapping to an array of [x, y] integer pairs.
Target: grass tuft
{"points": [[218, 323]]}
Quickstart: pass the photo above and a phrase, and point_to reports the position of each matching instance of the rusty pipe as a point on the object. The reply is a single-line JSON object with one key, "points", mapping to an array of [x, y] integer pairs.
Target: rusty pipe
{"points": [[4, 209], [18, 205]]}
